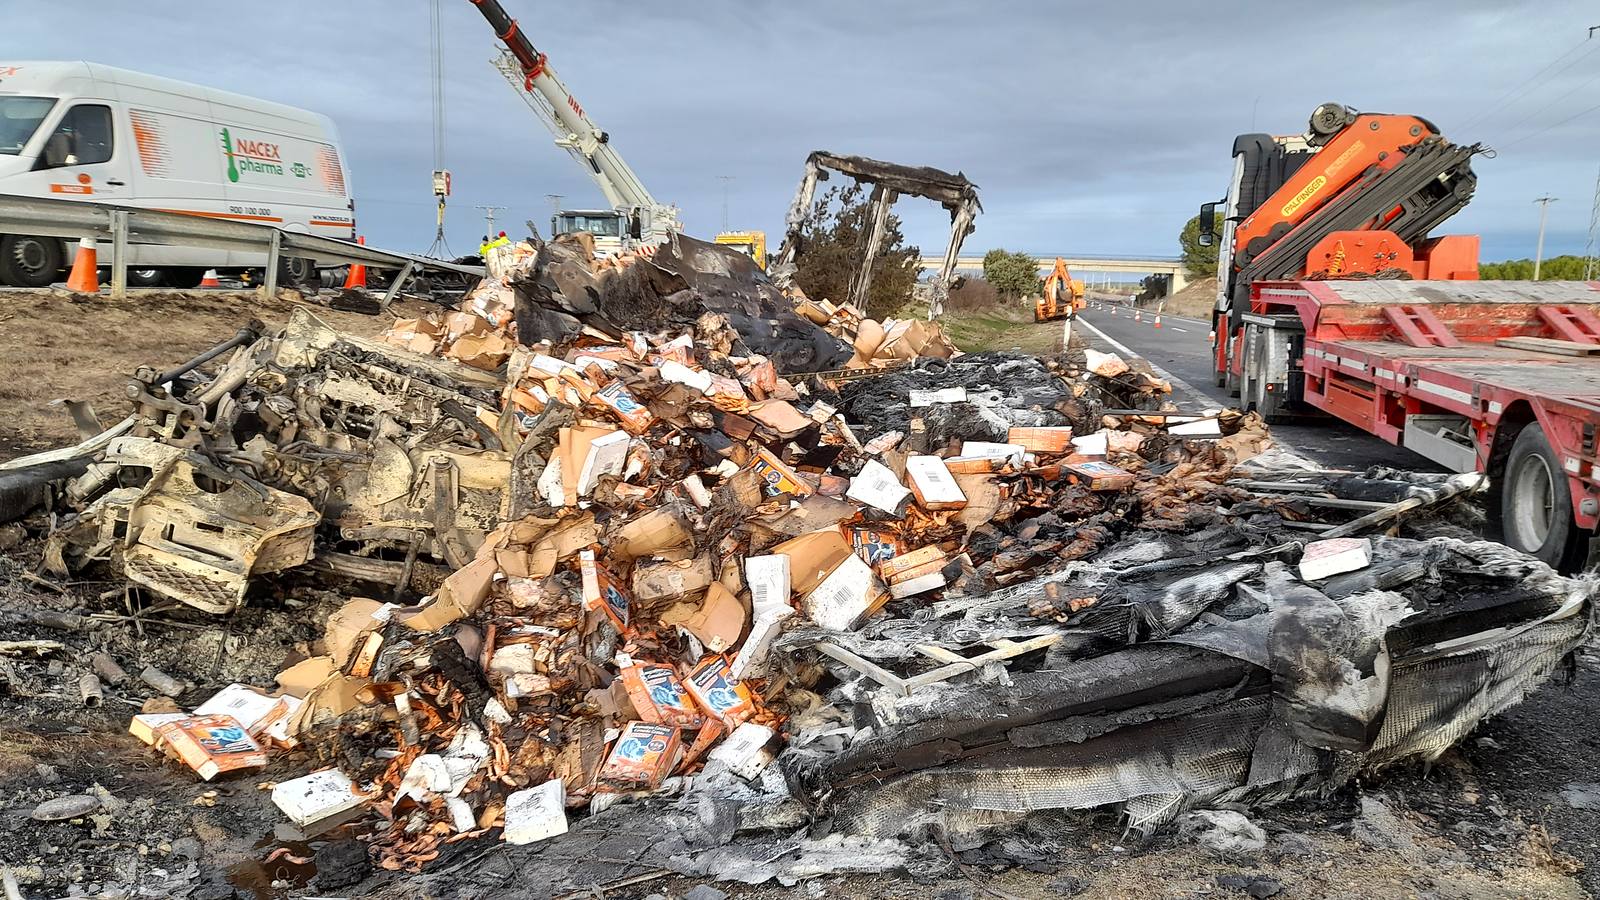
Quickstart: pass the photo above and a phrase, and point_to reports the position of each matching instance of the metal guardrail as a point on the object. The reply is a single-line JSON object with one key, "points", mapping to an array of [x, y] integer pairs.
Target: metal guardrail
{"points": [[124, 225]]}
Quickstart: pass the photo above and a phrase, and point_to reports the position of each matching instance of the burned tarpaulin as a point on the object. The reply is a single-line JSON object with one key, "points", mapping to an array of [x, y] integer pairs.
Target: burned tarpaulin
{"points": [[1297, 698]]}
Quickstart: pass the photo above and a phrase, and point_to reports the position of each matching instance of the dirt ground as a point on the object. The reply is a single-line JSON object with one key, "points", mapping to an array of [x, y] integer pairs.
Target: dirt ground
{"points": [[1195, 301], [55, 345], [1503, 815]]}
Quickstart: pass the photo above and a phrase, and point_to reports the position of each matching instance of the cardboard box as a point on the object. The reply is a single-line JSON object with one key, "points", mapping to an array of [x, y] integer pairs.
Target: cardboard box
{"points": [[927, 568], [719, 696], [659, 532], [776, 477], [1053, 440], [536, 813], [906, 562], [751, 660], [643, 755], [144, 725], [780, 417], [659, 697], [769, 581], [932, 484], [604, 455], [663, 582], [812, 557], [976, 465], [846, 597], [878, 487], [910, 587], [633, 415], [920, 399], [249, 707], [602, 591], [872, 545], [1106, 365], [312, 800], [747, 751], [211, 745], [678, 373], [717, 621], [1012, 453], [1101, 476], [1334, 556]]}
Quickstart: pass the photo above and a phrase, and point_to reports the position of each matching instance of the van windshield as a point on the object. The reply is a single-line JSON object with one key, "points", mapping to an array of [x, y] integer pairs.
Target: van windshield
{"points": [[19, 119]]}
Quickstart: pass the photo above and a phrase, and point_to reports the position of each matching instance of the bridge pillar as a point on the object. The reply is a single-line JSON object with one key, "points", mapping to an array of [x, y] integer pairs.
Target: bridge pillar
{"points": [[1180, 280]]}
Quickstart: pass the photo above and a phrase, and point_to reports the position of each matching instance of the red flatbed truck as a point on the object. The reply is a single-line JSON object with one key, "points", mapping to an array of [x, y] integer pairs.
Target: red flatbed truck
{"points": [[1390, 331]]}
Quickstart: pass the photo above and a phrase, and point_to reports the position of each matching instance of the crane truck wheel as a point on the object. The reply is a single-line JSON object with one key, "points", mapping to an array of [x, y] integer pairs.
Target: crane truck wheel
{"points": [[1536, 506]]}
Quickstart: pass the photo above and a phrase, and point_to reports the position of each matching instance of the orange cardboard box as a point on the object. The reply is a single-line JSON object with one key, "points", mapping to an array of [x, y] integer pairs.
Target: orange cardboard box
{"points": [[1042, 440], [658, 696], [211, 745], [643, 755], [906, 562]]}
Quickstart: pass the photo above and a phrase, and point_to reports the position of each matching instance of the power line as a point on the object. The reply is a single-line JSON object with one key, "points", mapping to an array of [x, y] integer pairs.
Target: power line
{"points": [[1541, 110], [1520, 89], [1577, 115]]}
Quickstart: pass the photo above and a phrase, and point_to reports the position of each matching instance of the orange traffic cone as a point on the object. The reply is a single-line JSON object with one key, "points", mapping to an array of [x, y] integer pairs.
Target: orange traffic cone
{"points": [[1138, 315], [1158, 321], [1212, 337], [210, 279], [358, 273], [85, 277]]}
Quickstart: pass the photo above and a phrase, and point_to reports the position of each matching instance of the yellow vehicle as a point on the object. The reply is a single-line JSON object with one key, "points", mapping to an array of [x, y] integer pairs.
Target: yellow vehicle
{"points": [[752, 243], [1062, 296]]}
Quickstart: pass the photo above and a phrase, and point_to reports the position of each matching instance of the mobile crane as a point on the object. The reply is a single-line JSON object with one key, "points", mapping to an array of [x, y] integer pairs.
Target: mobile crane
{"points": [[635, 218], [1332, 299]]}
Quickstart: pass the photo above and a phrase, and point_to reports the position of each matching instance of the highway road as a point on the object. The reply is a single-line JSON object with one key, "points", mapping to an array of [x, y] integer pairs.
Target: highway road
{"points": [[1181, 349]]}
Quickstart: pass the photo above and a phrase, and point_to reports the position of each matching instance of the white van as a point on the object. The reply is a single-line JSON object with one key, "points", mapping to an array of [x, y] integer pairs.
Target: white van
{"points": [[79, 130]]}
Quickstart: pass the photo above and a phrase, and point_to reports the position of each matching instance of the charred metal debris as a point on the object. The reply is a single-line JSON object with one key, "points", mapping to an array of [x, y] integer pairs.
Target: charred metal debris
{"points": [[638, 542]]}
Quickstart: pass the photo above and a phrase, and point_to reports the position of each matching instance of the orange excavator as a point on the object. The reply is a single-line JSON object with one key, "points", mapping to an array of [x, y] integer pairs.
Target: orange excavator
{"points": [[1062, 296]]}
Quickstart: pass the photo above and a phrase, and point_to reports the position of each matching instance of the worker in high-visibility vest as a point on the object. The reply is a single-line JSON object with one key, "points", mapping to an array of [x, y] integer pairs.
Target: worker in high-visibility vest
{"points": [[497, 255], [483, 248]]}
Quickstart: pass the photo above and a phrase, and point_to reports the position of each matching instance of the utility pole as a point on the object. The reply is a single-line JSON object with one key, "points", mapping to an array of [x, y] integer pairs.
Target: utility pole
{"points": [[1538, 253], [1594, 232], [725, 179], [488, 215]]}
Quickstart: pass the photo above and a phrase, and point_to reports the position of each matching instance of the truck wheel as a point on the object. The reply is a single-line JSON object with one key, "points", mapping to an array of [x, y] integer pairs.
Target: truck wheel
{"points": [[300, 270], [1536, 506], [144, 277], [27, 261], [184, 278]]}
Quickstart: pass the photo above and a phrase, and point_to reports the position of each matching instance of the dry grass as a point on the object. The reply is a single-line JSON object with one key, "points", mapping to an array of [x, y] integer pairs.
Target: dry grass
{"points": [[55, 345]]}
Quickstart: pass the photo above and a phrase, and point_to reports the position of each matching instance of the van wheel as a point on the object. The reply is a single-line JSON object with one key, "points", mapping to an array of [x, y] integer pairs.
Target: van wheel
{"points": [[27, 261], [300, 270], [144, 277], [186, 278], [1536, 505]]}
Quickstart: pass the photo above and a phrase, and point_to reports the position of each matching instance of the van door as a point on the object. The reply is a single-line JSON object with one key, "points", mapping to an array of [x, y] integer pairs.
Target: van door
{"points": [[82, 158]]}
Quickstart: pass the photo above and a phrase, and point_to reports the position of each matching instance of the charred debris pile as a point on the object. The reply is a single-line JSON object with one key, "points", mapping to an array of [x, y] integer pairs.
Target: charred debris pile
{"points": [[648, 540]]}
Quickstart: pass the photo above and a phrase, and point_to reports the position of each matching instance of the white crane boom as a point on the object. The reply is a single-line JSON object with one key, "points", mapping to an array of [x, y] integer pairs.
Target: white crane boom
{"points": [[644, 219]]}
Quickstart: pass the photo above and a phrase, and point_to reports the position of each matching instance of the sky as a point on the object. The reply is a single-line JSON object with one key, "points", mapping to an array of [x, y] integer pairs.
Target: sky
{"points": [[1089, 127]]}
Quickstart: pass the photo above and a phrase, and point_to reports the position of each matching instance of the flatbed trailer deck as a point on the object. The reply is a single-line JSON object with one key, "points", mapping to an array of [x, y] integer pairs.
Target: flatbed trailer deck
{"points": [[1489, 376]]}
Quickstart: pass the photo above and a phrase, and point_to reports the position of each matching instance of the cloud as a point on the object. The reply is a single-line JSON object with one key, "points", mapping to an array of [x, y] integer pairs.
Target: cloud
{"points": [[1088, 127]]}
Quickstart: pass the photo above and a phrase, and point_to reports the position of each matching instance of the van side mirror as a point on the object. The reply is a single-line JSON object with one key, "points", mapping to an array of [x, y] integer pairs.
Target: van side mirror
{"points": [[1208, 224], [636, 227]]}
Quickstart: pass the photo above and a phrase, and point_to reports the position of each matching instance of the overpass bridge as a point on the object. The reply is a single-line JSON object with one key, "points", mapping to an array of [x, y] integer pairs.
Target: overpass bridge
{"points": [[1171, 266]]}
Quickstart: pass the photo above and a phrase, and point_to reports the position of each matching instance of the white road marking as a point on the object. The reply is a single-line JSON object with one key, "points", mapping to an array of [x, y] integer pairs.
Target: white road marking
{"points": [[1195, 396], [1180, 330]]}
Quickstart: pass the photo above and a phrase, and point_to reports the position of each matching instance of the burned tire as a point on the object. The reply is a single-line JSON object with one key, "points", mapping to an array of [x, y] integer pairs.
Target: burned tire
{"points": [[1536, 505], [27, 261]]}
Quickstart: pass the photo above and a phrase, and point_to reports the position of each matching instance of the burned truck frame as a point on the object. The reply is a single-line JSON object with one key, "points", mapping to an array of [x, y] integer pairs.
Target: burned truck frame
{"points": [[889, 180]]}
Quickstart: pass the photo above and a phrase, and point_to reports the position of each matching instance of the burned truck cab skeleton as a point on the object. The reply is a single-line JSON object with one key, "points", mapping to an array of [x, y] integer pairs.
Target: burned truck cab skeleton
{"points": [[889, 180]]}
